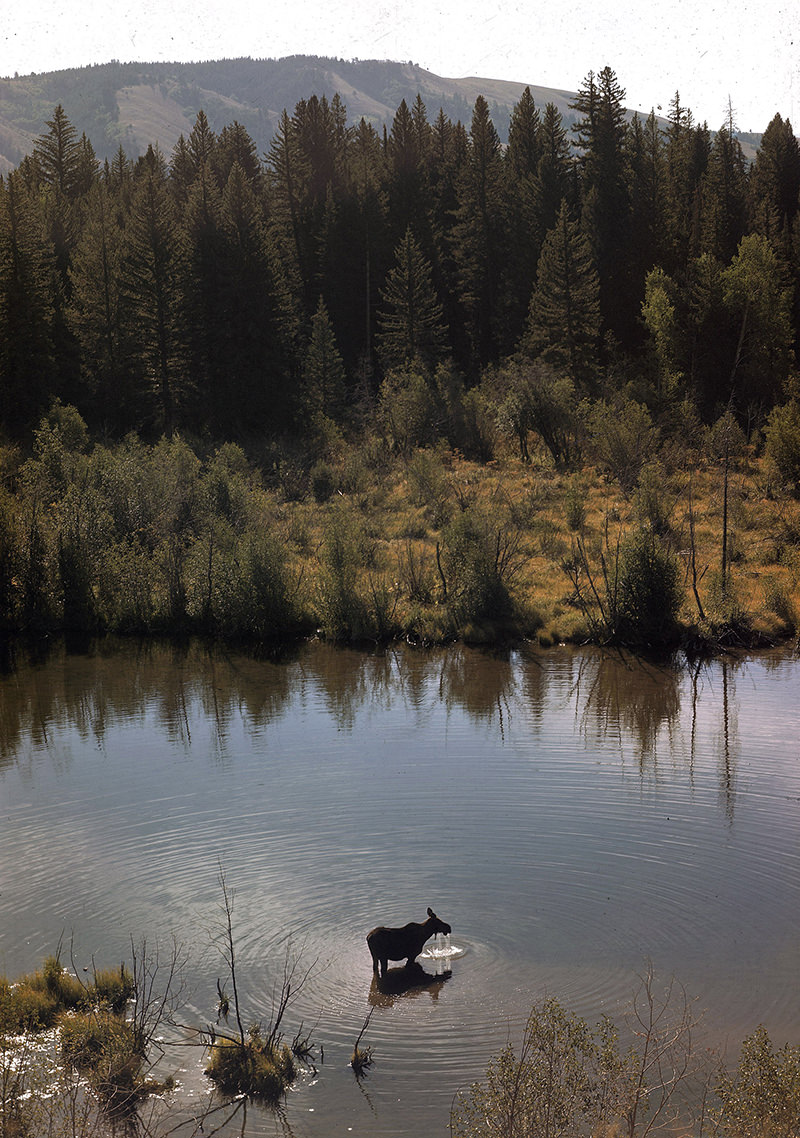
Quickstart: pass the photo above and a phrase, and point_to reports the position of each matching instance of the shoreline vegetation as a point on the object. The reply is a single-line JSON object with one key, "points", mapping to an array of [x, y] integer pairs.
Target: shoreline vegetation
{"points": [[651, 542], [87, 1056]]}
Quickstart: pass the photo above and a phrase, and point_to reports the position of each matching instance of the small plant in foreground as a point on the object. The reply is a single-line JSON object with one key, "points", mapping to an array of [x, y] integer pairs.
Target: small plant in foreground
{"points": [[255, 1067], [762, 1098], [254, 1062], [361, 1059]]}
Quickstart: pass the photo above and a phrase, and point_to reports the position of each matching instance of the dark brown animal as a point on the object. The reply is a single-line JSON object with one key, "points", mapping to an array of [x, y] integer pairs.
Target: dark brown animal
{"points": [[387, 944]]}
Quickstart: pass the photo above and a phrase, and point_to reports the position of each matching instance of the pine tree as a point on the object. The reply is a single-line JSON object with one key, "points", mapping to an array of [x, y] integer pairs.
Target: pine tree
{"points": [[118, 178], [523, 241], [287, 173], [58, 155], [201, 144], [149, 277], [181, 171], [601, 133], [368, 236], [477, 238], [524, 141], [410, 322], [257, 387], [723, 216], [646, 174], [95, 316], [236, 147], [708, 334], [564, 318], [551, 184], [687, 150], [203, 315], [406, 153], [27, 283], [323, 370]]}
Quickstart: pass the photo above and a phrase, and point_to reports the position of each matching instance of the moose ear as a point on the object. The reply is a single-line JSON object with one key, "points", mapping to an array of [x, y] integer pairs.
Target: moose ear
{"points": [[431, 912]]}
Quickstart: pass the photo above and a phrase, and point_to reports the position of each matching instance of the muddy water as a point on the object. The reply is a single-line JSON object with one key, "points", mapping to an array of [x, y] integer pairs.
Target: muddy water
{"points": [[570, 815]]}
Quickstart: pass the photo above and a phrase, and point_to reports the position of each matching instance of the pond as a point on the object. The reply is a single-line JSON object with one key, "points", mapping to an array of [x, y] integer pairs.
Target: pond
{"points": [[571, 815]]}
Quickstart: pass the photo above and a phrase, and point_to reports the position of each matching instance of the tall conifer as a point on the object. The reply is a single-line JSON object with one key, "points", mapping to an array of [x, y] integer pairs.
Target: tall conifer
{"points": [[564, 318], [410, 321]]}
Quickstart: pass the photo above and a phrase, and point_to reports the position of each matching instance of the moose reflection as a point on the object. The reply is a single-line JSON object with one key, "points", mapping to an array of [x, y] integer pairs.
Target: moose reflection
{"points": [[406, 943], [411, 980]]}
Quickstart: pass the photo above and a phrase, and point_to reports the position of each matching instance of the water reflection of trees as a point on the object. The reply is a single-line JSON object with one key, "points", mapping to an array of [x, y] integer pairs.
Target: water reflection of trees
{"points": [[129, 683], [622, 701], [619, 697], [481, 684], [617, 700]]}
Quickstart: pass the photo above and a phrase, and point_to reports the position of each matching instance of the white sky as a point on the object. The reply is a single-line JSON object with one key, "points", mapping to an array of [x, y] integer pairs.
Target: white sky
{"points": [[709, 50]]}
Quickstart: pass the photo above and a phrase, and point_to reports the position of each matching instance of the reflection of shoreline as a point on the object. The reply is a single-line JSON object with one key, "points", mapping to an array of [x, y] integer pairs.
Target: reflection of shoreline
{"points": [[618, 700], [618, 697]]}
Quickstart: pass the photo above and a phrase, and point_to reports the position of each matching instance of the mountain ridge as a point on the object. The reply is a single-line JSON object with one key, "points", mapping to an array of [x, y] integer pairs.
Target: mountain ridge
{"points": [[136, 104]]}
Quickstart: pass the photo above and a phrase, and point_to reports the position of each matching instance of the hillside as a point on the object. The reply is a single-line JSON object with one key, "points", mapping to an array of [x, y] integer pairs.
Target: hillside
{"points": [[135, 104]]}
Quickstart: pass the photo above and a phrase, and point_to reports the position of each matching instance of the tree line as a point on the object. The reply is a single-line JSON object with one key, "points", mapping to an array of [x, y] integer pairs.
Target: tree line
{"points": [[229, 294]]}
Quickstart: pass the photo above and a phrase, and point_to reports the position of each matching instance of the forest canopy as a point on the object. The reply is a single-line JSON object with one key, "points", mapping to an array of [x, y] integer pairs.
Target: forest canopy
{"points": [[229, 293]]}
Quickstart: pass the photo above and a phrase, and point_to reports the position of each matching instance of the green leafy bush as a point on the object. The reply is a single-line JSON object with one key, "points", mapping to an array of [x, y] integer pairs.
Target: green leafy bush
{"points": [[782, 446], [407, 410], [623, 438], [322, 480], [565, 1080], [476, 591], [650, 592], [341, 607], [762, 1098]]}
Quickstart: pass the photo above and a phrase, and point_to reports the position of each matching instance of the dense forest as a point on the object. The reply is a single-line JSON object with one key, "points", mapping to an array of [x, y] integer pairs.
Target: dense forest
{"points": [[216, 291], [422, 282]]}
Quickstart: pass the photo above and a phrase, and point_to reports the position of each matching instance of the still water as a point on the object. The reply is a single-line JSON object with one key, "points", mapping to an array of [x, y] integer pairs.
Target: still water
{"points": [[571, 815]]}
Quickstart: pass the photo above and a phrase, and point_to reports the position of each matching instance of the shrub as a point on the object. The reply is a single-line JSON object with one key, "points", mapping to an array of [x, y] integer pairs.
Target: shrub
{"points": [[342, 611], [407, 410], [255, 1068], [762, 1099], [631, 594], [533, 397], [778, 600], [66, 990], [428, 486], [575, 505], [241, 587], [561, 1082], [650, 592], [104, 1049], [126, 587], [226, 485], [9, 559], [112, 988], [322, 481], [650, 500], [476, 591], [623, 438], [25, 1007], [782, 446]]}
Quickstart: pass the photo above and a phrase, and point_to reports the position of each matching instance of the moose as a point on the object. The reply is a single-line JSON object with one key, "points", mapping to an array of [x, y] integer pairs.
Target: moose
{"points": [[387, 944]]}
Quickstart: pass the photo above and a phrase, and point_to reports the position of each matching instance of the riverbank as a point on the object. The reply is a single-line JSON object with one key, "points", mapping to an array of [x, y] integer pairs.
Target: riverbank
{"points": [[369, 543]]}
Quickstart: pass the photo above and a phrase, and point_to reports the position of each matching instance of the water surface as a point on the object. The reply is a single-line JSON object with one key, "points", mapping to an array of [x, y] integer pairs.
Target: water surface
{"points": [[571, 815]]}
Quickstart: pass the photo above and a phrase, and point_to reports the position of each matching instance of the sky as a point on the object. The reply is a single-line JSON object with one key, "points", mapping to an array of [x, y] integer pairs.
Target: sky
{"points": [[745, 51]]}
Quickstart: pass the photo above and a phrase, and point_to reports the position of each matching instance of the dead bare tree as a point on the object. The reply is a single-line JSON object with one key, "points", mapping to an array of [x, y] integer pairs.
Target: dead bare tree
{"points": [[664, 1059]]}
